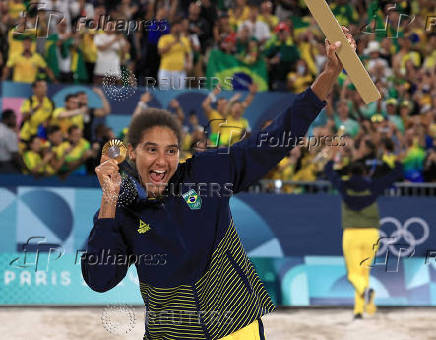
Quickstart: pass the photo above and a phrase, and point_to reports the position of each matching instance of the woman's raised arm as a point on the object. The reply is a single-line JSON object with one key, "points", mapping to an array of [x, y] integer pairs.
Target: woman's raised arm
{"points": [[249, 160]]}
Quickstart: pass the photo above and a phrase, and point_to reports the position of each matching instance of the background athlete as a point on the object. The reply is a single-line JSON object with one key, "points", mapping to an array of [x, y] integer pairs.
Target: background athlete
{"points": [[361, 223]]}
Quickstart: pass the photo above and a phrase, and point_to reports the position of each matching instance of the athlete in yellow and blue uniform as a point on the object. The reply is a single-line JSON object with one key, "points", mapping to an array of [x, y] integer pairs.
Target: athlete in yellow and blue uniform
{"points": [[360, 221], [195, 277]]}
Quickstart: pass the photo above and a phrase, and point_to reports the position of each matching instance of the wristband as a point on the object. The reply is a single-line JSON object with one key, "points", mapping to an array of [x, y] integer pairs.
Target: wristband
{"points": [[212, 97], [143, 105]]}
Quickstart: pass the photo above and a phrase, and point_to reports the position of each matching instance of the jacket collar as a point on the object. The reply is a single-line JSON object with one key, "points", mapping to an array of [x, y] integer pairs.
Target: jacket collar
{"points": [[141, 192]]}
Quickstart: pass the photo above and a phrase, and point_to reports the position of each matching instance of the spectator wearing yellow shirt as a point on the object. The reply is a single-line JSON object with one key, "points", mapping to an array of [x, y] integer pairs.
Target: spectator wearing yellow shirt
{"points": [[176, 58], [266, 15], [70, 114], [15, 7], [218, 127], [239, 13], [53, 144], [77, 150], [26, 65], [307, 172], [405, 54], [430, 59], [388, 155], [198, 143], [16, 35], [191, 135], [36, 110], [89, 49], [215, 116], [36, 163], [298, 81], [309, 50], [236, 127], [86, 40]]}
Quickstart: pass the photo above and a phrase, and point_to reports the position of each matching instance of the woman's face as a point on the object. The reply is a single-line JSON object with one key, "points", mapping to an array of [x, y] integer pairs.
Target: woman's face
{"points": [[237, 110], [36, 145], [156, 158]]}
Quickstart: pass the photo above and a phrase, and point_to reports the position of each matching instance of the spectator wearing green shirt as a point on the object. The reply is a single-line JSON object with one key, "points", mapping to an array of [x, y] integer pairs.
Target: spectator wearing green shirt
{"points": [[242, 40], [282, 56], [343, 121], [77, 150], [414, 157], [391, 114], [344, 12]]}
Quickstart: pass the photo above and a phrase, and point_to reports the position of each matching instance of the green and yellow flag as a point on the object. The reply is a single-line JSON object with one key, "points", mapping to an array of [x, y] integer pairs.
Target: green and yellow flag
{"points": [[233, 74], [77, 66]]}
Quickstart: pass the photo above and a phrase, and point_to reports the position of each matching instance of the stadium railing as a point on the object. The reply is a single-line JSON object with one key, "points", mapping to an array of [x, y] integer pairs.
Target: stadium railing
{"points": [[262, 186], [316, 187]]}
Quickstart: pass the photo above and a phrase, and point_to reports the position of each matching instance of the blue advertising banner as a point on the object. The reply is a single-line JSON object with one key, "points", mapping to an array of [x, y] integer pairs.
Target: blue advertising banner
{"points": [[293, 240], [53, 278], [311, 224]]}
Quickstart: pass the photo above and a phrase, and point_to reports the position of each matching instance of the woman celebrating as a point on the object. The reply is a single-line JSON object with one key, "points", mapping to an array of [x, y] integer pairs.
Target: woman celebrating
{"points": [[195, 277]]}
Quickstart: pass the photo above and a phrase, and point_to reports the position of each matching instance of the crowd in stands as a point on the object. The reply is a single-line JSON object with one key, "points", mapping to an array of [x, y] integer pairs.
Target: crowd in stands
{"points": [[396, 41], [53, 141]]}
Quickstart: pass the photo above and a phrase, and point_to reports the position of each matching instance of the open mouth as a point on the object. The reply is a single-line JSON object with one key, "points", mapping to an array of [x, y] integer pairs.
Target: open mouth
{"points": [[157, 176]]}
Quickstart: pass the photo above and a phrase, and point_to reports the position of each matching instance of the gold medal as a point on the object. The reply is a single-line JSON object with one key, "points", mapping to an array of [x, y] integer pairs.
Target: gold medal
{"points": [[115, 149]]}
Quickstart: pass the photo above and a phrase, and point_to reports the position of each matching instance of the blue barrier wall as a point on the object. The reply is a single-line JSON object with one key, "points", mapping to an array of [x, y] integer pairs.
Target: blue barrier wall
{"points": [[266, 105], [293, 240]]}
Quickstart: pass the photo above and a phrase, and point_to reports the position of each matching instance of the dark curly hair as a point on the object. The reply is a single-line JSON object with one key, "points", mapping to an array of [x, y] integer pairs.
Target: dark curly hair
{"points": [[150, 118]]}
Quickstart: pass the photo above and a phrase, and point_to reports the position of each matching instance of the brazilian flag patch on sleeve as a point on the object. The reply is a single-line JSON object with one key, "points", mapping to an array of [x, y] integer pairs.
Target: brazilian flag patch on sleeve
{"points": [[192, 199]]}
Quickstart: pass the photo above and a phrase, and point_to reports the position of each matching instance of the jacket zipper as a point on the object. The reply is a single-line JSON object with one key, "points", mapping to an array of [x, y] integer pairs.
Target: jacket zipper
{"points": [[239, 271]]}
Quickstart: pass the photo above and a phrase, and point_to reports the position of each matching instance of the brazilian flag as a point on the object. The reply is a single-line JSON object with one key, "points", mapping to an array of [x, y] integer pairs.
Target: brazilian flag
{"points": [[300, 24], [234, 74], [78, 67]]}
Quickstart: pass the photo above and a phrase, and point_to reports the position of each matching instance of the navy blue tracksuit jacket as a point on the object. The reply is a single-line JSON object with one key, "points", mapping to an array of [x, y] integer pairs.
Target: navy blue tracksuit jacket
{"points": [[359, 196], [195, 277]]}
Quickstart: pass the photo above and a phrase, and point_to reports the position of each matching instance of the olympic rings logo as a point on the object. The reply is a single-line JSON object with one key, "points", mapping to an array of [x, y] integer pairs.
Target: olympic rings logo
{"points": [[402, 232]]}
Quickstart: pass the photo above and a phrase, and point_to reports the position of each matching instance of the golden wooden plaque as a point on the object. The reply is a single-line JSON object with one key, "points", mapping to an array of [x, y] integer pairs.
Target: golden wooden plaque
{"points": [[353, 66]]}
